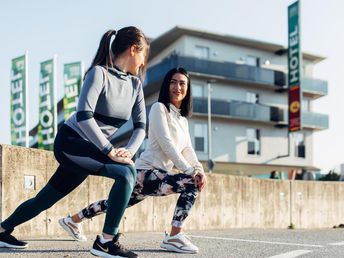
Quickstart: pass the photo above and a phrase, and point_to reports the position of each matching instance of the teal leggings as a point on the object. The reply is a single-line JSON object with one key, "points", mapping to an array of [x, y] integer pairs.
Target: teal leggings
{"points": [[70, 175], [124, 175]]}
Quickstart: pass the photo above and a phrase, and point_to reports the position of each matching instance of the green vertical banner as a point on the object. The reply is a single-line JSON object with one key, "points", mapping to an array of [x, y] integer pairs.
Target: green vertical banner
{"points": [[294, 64], [47, 125], [19, 101], [72, 78]]}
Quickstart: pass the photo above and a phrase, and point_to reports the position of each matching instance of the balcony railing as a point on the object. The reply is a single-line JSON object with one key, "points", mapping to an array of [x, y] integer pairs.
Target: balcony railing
{"points": [[258, 112], [315, 120], [239, 109], [314, 86], [233, 71], [227, 70]]}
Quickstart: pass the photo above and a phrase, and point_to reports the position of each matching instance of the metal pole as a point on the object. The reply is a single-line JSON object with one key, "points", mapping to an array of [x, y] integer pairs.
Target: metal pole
{"points": [[209, 125]]}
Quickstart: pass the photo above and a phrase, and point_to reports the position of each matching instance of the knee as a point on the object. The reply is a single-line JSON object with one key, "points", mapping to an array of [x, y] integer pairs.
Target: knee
{"points": [[132, 171], [129, 173], [192, 190], [123, 173]]}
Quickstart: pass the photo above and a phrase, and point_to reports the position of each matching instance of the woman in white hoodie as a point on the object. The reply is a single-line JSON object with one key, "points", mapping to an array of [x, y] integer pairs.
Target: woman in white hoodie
{"points": [[168, 165]]}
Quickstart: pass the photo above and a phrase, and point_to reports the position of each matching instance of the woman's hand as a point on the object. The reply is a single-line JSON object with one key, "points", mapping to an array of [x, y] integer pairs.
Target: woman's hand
{"points": [[123, 152], [200, 179], [120, 159]]}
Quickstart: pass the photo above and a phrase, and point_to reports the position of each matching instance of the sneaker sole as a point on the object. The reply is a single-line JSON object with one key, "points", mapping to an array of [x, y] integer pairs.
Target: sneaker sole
{"points": [[105, 255], [176, 249], [69, 231], [3, 244]]}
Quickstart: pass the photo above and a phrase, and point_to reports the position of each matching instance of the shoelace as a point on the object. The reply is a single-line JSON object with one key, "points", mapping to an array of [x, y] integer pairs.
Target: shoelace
{"points": [[117, 243]]}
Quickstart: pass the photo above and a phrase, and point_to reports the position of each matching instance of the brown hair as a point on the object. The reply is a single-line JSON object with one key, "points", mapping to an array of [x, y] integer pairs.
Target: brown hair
{"points": [[124, 39]]}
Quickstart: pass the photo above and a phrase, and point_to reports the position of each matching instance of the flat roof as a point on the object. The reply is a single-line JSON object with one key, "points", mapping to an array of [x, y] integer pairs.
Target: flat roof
{"points": [[161, 42]]}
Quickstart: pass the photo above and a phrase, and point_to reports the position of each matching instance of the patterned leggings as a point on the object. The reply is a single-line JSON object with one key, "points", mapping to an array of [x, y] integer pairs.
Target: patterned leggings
{"points": [[155, 183]]}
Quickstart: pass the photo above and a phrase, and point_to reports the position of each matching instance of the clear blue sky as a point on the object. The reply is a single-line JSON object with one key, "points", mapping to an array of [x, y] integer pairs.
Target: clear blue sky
{"points": [[72, 30]]}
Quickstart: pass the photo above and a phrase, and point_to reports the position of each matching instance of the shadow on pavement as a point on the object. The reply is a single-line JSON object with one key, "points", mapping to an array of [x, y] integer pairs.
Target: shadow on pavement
{"points": [[9, 250]]}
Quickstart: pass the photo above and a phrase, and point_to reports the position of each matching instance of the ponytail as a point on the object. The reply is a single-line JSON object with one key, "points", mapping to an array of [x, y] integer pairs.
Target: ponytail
{"points": [[103, 56]]}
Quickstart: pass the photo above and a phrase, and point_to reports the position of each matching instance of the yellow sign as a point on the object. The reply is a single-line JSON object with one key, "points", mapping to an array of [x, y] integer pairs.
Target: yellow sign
{"points": [[294, 106]]}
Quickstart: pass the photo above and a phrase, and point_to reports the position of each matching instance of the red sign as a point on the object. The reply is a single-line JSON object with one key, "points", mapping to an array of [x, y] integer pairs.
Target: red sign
{"points": [[294, 108]]}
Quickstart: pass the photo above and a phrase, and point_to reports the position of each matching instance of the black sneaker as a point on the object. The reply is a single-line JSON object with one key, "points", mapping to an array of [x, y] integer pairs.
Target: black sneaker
{"points": [[9, 241], [111, 249]]}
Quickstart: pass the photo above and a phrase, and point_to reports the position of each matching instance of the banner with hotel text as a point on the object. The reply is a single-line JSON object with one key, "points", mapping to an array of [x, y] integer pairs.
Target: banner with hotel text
{"points": [[294, 64], [72, 79], [47, 124], [19, 101]]}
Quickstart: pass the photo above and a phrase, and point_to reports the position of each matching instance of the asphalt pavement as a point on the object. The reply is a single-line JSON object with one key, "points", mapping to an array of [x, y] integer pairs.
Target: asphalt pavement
{"points": [[236, 243]]}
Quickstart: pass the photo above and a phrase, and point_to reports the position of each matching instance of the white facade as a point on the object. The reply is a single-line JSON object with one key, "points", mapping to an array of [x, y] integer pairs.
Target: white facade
{"points": [[230, 143], [223, 52], [237, 140]]}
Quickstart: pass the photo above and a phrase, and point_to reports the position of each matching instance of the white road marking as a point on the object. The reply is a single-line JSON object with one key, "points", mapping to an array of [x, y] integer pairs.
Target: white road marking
{"points": [[337, 244], [291, 254], [255, 241]]}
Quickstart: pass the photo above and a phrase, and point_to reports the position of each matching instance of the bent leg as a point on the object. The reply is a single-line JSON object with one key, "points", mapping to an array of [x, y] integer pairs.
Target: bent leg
{"points": [[159, 183], [100, 207], [125, 176], [185, 185]]}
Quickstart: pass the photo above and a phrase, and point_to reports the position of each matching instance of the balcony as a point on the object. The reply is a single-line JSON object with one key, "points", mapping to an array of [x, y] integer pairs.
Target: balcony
{"points": [[258, 112], [314, 88], [311, 87], [239, 110], [314, 120], [309, 120], [227, 70]]}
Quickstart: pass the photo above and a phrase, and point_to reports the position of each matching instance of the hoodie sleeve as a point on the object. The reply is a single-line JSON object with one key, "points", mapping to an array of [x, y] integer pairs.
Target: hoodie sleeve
{"points": [[139, 122], [90, 91]]}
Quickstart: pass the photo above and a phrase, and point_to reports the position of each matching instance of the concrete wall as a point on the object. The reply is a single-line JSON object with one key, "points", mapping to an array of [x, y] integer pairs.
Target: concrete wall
{"points": [[227, 202]]}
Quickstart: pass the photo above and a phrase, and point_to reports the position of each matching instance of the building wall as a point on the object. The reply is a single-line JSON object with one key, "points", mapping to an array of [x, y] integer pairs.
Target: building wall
{"points": [[226, 202], [232, 91], [229, 143], [149, 100], [224, 52], [177, 47]]}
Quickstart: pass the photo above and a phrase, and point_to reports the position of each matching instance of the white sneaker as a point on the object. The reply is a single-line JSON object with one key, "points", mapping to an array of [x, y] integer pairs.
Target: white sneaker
{"points": [[179, 243], [72, 228]]}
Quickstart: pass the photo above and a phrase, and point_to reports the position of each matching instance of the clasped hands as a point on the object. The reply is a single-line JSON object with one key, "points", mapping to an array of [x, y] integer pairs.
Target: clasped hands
{"points": [[121, 155]]}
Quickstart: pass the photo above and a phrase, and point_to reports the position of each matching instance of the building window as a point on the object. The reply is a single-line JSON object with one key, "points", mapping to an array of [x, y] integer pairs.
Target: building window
{"points": [[252, 97], [253, 61], [197, 90], [300, 147], [253, 141], [202, 52], [201, 137]]}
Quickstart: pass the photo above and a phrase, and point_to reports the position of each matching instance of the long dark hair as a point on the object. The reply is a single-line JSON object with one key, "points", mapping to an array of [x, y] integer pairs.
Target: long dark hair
{"points": [[164, 95], [124, 39]]}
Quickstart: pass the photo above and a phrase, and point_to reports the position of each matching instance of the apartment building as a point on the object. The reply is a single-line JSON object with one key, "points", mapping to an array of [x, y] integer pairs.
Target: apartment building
{"points": [[249, 100]]}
